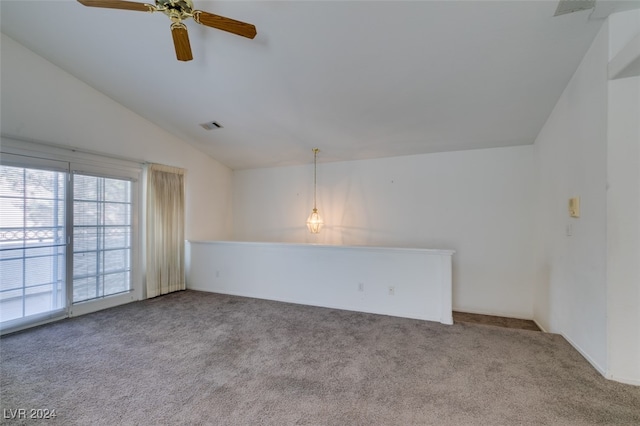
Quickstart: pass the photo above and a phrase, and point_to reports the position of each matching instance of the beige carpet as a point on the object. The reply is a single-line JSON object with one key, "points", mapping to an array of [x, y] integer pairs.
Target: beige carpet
{"points": [[200, 358]]}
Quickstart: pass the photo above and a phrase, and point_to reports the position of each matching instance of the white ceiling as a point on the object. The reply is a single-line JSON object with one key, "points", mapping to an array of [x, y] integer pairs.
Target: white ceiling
{"points": [[358, 79]]}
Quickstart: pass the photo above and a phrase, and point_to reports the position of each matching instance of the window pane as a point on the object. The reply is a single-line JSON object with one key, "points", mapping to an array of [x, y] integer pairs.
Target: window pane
{"points": [[85, 187], [114, 283], [84, 238], [85, 264], [85, 213], [116, 260], [118, 237], [11, 273], [116, 214], [117, 190], [12, 181], [84, 289]]}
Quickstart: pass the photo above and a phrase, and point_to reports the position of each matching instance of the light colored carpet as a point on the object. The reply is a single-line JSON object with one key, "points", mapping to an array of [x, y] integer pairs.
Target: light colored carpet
{"points": [[201, 358]]}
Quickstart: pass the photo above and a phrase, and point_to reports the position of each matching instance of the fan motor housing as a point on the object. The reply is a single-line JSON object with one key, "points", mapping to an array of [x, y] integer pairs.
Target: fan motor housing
{"points": [[180, 9]]}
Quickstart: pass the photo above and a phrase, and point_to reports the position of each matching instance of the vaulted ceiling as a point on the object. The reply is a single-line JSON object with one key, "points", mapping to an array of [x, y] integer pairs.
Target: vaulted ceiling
{"points": [[358, 79]]}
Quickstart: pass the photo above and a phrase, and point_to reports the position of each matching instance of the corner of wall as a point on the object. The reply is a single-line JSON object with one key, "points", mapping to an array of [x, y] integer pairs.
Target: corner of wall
{"points": [[570, 161]]}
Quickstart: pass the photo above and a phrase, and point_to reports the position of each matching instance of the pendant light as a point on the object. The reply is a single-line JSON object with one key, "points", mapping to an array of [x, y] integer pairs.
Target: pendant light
{"points": [[314, 222]]}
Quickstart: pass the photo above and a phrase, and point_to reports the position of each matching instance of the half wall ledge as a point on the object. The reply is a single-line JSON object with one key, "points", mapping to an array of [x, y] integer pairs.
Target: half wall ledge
{"points": [[403, 282]]}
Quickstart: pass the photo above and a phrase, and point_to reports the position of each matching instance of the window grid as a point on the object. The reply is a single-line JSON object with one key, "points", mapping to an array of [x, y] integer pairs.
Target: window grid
{"points": [[102, 237]]}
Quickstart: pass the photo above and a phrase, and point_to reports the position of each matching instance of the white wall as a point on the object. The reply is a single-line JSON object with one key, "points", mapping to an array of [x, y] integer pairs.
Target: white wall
{"points": [[478, 203], [571, 152], [623, 211], [588, 284], [43, 103]]}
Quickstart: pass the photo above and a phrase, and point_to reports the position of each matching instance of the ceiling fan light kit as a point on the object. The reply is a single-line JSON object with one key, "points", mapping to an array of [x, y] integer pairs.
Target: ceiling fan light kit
{"points": [[178, 11]]}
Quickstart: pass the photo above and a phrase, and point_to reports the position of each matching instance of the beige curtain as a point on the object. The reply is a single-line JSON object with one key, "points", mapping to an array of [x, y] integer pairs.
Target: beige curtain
{"points": [[165, 230]]}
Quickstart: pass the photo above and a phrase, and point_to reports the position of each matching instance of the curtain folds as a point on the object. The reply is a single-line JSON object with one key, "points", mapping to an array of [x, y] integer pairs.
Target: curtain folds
{"points": [[165, 230]]}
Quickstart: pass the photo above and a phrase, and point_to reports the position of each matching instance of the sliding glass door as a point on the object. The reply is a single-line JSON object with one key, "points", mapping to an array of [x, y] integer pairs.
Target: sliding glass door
{"points": [[67, 238]]}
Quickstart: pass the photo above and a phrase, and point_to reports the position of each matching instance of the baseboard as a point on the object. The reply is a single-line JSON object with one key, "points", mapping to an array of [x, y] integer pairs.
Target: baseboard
{"points": [[585, 355], [544, 330], [328, 306], [626, 381]]}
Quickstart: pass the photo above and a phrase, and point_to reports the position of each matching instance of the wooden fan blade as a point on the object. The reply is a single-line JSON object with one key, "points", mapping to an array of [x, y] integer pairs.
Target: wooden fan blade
{"points": [[225, 24], [118, 4], [181, 42]]}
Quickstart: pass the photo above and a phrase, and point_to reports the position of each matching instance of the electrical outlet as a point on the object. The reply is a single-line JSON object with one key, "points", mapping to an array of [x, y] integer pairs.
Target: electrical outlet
{"points": [[392, 290], [360, 286]]}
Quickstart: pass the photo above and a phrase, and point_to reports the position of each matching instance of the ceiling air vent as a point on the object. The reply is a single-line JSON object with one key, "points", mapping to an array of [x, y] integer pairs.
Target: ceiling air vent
{"points": [[570, 6], [211, 125]]}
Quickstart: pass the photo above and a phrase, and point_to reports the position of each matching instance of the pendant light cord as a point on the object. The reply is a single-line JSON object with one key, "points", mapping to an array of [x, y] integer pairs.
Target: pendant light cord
{"points": [[314, 222], [315, 180]]}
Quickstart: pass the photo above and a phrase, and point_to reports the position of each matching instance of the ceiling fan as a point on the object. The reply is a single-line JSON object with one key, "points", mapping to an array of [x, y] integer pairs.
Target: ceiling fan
{"points": [[178, 11]]}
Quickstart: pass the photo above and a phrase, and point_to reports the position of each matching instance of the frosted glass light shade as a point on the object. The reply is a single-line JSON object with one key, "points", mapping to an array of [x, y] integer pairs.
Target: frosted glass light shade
{"points": [[314, 222]]}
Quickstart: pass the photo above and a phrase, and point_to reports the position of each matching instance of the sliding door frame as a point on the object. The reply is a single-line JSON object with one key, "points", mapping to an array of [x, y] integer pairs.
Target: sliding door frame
{"points": [[27, 154], [135, 292]]}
